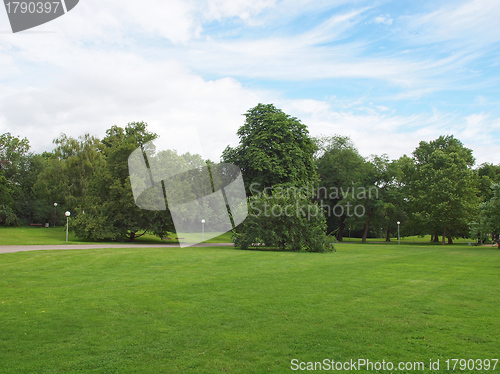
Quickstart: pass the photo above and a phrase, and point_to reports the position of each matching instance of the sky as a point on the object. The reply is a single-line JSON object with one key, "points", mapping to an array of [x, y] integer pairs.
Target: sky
{"points": [[389, 74]]}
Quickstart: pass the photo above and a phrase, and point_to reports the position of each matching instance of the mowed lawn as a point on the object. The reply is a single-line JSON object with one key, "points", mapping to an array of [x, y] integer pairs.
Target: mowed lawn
{"points": [[26, 235], [222, 310]]}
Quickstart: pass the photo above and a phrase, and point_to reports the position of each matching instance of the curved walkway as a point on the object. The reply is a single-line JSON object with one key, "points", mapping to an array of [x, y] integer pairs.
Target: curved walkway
{"points": [[25, 248]]}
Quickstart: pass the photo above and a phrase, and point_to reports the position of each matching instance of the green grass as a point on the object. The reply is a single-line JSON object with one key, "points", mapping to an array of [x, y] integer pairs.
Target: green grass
{"points": [[409, 240], [216, 310], [57, 235]]}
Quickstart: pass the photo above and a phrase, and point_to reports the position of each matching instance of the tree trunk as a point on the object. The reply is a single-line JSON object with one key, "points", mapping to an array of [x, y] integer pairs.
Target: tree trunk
{"points": [[340, 234], [367, 226], [450, 240], [131, 236], [432, 237], [444, 236], [388, 235], [436, 238]]}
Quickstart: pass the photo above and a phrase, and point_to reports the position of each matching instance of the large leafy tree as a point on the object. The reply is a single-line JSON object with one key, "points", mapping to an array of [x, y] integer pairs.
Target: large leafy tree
{"points": [[342, 170], [7, 216], [17, 170], [67, 173], [442, 187], [489, 217], [110, 209], [487, 174], [274, 148], [13, 155], [390, 202]]}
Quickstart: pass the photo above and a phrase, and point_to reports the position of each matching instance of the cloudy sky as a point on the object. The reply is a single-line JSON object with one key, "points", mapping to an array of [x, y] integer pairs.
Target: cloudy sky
{"points": [[387, 73]]}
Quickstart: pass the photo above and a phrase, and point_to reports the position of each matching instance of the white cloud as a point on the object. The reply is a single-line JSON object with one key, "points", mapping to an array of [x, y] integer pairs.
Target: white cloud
{"points": [[467, 22], [246, 10], [376, 132], [384, 19], [105, 89], [144, 61]]}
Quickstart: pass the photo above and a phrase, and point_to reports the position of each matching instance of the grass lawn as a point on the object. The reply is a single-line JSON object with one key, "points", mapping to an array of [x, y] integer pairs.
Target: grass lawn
{"points": [[410, 240], [57, 235], [216, 310]]}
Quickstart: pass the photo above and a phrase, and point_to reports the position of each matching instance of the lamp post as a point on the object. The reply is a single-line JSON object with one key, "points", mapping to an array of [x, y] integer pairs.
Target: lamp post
{"points": [[55, 213], [399, 240], [203, 229], [67, 214]]}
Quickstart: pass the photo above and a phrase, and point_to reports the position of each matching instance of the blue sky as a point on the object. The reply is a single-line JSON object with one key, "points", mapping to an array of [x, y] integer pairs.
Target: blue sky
{"points": [[387, 73]]}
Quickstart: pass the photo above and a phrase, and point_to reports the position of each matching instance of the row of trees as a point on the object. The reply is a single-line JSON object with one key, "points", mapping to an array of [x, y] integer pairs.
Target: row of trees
{"points": [[86, 176], [436, 190]]}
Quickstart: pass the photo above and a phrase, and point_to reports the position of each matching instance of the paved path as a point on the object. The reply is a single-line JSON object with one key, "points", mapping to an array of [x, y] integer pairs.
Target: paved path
{"points": [[25, 248]]}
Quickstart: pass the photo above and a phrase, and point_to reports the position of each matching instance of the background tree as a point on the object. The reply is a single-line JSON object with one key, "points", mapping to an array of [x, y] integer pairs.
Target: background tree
{"points": [[442, 187], [489, 217], [65, 175], [487, 174], [7, 215], [110, 209], [274, 148], [341, 168], [390, 205], [16, 172]]}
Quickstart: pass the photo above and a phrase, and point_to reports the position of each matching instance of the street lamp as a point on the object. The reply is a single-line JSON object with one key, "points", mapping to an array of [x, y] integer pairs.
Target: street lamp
{"points": [[55, 213], [67, 214], [203, 229], [399, 240]]}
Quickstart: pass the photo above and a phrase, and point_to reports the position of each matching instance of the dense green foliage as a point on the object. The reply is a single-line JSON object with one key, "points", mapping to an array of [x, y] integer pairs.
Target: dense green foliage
{"points": [[274, 148], [343, 172], [286, 220], [489, 217], [435, 191], [110, 210], [441, 187]]}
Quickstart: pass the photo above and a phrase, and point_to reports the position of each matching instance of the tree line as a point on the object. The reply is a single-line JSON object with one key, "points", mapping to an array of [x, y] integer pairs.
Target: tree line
{"points": [[436, 190]]}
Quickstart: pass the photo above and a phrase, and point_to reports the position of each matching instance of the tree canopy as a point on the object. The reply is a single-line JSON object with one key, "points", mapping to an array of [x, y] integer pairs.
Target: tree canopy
{"points": [[274, 148], [436, 190], [441, 187]]}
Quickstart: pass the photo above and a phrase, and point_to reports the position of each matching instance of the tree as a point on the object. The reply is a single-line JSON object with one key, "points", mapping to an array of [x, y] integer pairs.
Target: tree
{"points": [[65, 174], [342, 171], [13, 152], [15, 175], [487, 174], [7, 216], [5, 190], [390, 202], [489, 216], [274, 148], [442, 187], [110, 209], [284, 219]]}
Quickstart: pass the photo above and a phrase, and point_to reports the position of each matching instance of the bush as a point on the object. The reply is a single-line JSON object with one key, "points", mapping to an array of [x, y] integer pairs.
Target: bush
{"points": [[285, 220]]}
